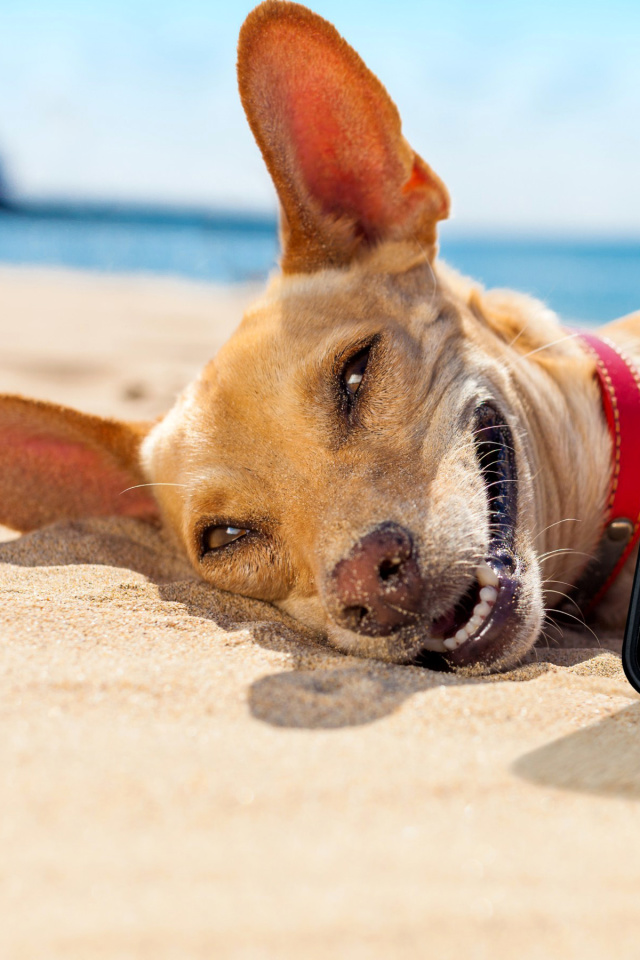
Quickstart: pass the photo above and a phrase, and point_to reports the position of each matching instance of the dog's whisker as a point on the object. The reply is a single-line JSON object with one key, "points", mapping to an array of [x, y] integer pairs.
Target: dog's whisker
{"points": [[562, 550], [546, 346], [552, 580], [498, 483], [139, 486], [547, 638], [561, 593], [552, 624], [519, 334], [550, 525], [583, 624]]}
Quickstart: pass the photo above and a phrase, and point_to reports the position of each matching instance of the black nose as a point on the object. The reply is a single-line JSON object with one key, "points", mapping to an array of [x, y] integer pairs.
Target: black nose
{"points": [[377, 588]]}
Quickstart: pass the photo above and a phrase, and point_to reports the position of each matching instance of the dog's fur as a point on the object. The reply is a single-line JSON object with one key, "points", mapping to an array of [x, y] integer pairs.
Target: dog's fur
{"points": [[265, 438]]}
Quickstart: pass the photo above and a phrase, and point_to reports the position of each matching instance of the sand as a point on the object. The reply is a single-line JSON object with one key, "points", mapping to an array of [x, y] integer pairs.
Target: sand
{"points": [[187, 775]]}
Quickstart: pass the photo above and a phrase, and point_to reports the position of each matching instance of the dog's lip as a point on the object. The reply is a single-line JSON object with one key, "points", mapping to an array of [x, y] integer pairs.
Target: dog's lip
{"points": [[495, 634], [494, 637]]}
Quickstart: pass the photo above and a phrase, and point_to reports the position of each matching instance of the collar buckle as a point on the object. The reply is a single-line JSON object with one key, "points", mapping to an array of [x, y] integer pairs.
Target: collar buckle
{"points": [[614, 541]]}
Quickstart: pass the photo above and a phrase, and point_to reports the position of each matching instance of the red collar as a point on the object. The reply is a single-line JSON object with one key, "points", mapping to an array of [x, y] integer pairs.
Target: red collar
{"points": [[620, 387]]}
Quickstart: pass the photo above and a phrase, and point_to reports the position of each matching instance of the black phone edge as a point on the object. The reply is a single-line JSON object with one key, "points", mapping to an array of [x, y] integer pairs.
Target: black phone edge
{"points": [[631, 642]]}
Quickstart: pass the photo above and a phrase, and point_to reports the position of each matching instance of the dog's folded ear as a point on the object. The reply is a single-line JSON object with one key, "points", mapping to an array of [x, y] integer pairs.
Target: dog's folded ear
{"points": [[56, 463], [331, 138]]}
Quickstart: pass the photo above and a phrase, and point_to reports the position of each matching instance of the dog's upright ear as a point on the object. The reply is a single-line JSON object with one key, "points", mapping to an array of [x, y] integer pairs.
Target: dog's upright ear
{"points": [[331, 138], [56, 464]]}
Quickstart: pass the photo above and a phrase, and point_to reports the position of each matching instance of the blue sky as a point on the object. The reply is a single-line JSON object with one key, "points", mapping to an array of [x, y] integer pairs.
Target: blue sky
{"points": [[529, 111]]}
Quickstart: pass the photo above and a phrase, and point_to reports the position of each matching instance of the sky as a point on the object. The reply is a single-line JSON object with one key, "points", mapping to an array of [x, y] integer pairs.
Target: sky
{"points": [[530, 112]]}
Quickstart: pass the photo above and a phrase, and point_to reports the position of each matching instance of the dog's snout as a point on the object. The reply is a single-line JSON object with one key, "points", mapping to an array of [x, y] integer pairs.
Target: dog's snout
{"points": [[377, 588]]}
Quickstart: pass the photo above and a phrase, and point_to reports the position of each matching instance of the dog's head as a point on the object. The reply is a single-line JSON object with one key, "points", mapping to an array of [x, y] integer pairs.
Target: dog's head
{"points": [[355, 453], [348, 455]]}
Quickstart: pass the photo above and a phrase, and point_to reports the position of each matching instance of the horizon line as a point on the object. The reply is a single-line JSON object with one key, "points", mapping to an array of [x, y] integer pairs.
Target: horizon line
{"points": [[219, 218]]}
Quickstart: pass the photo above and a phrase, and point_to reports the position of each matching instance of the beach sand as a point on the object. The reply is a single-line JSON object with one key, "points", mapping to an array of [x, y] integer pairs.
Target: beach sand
{"points": [[185, 774]]}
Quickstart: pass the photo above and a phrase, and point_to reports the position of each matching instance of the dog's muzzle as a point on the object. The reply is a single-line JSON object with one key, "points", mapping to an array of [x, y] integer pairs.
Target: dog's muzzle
{"points": [[378, 589]]}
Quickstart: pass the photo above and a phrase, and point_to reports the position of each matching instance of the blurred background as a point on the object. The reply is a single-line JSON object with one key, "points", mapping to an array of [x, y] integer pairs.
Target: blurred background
{"points": [[124, 148]]}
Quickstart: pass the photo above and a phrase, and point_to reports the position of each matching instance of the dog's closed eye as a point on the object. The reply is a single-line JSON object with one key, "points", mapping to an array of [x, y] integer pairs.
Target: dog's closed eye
{"points": [[354, 370], [221, 535]]}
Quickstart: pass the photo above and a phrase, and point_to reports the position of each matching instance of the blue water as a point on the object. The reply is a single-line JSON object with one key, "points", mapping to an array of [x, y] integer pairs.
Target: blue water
{"points": [[584, 281], [175, 246]]}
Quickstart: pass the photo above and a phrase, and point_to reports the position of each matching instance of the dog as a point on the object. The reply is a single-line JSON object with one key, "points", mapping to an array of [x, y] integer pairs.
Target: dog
{"points": [[410, 465]]}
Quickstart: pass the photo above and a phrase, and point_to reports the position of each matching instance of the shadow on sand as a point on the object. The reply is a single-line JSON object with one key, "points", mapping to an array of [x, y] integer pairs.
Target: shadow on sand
{"points": [[322, 690], [603, 758]]}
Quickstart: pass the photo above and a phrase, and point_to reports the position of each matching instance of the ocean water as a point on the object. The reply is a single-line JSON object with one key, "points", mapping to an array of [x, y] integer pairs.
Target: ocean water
{"points": [[585, 281]]}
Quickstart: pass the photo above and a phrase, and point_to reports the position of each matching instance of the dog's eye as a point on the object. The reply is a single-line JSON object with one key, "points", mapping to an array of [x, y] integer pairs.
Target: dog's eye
{"points": [[219, 536], [353, 372]]}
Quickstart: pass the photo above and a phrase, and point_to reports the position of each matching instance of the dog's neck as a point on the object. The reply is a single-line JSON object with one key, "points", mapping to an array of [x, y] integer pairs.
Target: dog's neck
{"points": [[557, 401], [578, 455], [574, 470], [619, 383]]}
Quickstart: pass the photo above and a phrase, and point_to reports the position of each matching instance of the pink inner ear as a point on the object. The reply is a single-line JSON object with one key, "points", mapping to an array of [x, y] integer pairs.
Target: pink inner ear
{"points": [[340, 147], [342, 132], [68, 479]]}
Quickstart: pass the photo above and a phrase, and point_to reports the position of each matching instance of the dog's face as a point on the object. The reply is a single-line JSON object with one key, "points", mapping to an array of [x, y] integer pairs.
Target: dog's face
{"points": [[347, 455], [362, 452]]}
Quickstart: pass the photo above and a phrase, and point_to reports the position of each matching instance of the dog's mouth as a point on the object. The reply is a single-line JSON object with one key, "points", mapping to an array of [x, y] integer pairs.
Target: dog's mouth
{"points": [[477, 628]]}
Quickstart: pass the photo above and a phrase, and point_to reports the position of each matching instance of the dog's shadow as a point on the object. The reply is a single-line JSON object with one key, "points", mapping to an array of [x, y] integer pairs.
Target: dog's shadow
{"points": [[322, 690], [329, 698]]}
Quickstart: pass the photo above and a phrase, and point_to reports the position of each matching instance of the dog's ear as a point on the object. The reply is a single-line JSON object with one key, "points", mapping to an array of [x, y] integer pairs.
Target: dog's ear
{"points": [[331, 138], [58, 464]]}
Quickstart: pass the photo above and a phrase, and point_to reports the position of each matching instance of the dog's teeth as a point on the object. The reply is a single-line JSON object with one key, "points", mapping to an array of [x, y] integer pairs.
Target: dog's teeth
{"points": [[485, 575], [482, 609], [488, 595]]}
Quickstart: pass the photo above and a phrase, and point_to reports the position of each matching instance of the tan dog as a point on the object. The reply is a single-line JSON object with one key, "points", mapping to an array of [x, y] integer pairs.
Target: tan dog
{"points": [[382, 449]]}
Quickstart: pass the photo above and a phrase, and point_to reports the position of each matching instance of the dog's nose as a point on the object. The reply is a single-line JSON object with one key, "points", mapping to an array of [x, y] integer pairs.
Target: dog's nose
{"points": [[377, 588]]}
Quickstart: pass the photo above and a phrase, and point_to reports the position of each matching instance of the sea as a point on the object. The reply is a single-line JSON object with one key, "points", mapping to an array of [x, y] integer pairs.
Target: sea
{"points": [[586, 281]]}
